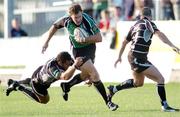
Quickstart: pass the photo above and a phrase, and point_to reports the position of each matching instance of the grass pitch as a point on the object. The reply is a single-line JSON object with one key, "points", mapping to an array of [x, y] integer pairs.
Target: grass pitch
{"points": [[84, 101]]}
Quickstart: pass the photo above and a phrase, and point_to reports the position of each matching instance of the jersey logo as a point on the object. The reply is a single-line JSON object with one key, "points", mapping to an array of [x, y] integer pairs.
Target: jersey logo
{"points": [[147, 35], [149, 30]]}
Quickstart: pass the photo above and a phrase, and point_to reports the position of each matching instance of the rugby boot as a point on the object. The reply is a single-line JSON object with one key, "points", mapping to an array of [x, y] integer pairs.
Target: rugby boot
{"points": [[112, 106], [111, 93], [65, 90], [169, 109], [12, 86]]}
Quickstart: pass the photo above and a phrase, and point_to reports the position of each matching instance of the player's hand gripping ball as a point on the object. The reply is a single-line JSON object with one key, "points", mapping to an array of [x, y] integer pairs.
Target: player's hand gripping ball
{"points": [[80, 35]]}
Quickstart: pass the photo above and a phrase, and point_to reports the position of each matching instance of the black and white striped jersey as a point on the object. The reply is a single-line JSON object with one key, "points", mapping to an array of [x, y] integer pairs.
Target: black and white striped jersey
{"points": [[140, 34], [50, 72]]}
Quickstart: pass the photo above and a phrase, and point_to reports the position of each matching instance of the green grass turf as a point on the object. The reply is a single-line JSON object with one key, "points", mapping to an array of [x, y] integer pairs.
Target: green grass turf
{"points": [[84, 101]]}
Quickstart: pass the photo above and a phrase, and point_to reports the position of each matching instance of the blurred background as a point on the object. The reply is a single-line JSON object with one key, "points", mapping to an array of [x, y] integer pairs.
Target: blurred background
{"points": [[24, 24], [35, 16]]}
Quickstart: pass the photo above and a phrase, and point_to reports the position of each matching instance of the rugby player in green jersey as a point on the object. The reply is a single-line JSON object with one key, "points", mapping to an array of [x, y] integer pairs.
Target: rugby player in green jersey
{"points": [[82, 47]]}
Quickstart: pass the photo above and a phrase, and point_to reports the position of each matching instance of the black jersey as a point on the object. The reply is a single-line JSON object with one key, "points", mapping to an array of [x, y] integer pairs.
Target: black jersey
{"points": [[49, 73], [140, 34]]}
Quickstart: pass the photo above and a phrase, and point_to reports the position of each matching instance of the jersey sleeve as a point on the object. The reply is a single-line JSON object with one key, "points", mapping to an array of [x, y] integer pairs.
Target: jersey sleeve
{"points": [[95, 28], [129, 37], [55, 72], [91, 24], [60, 23], [154, 27]]}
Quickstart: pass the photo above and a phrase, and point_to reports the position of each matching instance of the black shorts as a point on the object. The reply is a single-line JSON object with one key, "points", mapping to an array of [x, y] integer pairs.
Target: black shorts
{"points": [[37, 86], [87, 52], [138, 64]]}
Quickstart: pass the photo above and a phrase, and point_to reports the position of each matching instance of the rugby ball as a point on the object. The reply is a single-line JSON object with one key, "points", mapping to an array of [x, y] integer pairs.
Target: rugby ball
{"points": [[80, 34]]}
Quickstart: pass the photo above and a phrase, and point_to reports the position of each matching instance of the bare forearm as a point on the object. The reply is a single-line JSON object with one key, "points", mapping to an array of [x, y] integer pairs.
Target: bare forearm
{"points": [[94, 38], [68, 73], [121, 51], [164, 39], [123, 46], [51, 32]]}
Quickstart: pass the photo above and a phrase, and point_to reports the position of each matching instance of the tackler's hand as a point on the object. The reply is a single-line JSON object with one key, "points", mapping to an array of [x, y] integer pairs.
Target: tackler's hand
{"points": [[78, 62]]}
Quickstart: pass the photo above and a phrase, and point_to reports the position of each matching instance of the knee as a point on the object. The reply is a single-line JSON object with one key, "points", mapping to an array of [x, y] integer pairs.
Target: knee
{"points": [[161, 81], [45, 100], [94, 76]]}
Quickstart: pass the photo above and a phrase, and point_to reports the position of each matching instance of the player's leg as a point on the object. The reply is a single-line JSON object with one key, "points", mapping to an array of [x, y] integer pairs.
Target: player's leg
{"points": [[37, 91], [40, 91], [75, 80], [137, 66], [137, 81], [88, 53], [67, 85], [25, 81], [88, 67], [154, 74], [14, 86], [31, 94]]}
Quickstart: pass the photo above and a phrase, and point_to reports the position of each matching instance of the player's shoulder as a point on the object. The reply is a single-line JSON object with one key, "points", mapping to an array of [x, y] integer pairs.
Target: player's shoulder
{"points": [[86, 15], [152, 22], [88, 18], [66, 17], [51, 62]]}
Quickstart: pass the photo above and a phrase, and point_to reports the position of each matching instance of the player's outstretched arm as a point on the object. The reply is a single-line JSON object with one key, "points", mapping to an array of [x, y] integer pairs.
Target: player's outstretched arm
{"points": [[123, 46], [50, 33], [57, 25], [164, 39]]}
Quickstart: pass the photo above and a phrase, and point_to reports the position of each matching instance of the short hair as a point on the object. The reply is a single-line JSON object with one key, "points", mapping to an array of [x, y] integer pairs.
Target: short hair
{"points": [[75, 9], [146, 11], [63, 57]]}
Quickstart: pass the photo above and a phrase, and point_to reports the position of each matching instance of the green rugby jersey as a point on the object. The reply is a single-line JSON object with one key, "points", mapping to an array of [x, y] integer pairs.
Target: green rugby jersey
{"points": [[88, 24]]}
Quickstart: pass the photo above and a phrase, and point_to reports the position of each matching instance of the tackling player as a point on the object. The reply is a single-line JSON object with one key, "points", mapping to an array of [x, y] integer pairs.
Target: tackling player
{"points": [[60, 68], [140, 35]]}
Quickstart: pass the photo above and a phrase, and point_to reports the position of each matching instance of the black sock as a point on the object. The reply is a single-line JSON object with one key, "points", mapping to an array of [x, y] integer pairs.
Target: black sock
{"points": [[25, 81], [126, 85], [75, 80], [161, 93], [100, 88], [28, 92]]}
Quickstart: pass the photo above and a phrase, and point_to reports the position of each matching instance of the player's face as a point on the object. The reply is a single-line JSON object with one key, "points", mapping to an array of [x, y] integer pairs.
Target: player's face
{"points": [[67, 64], [77, 18]]}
